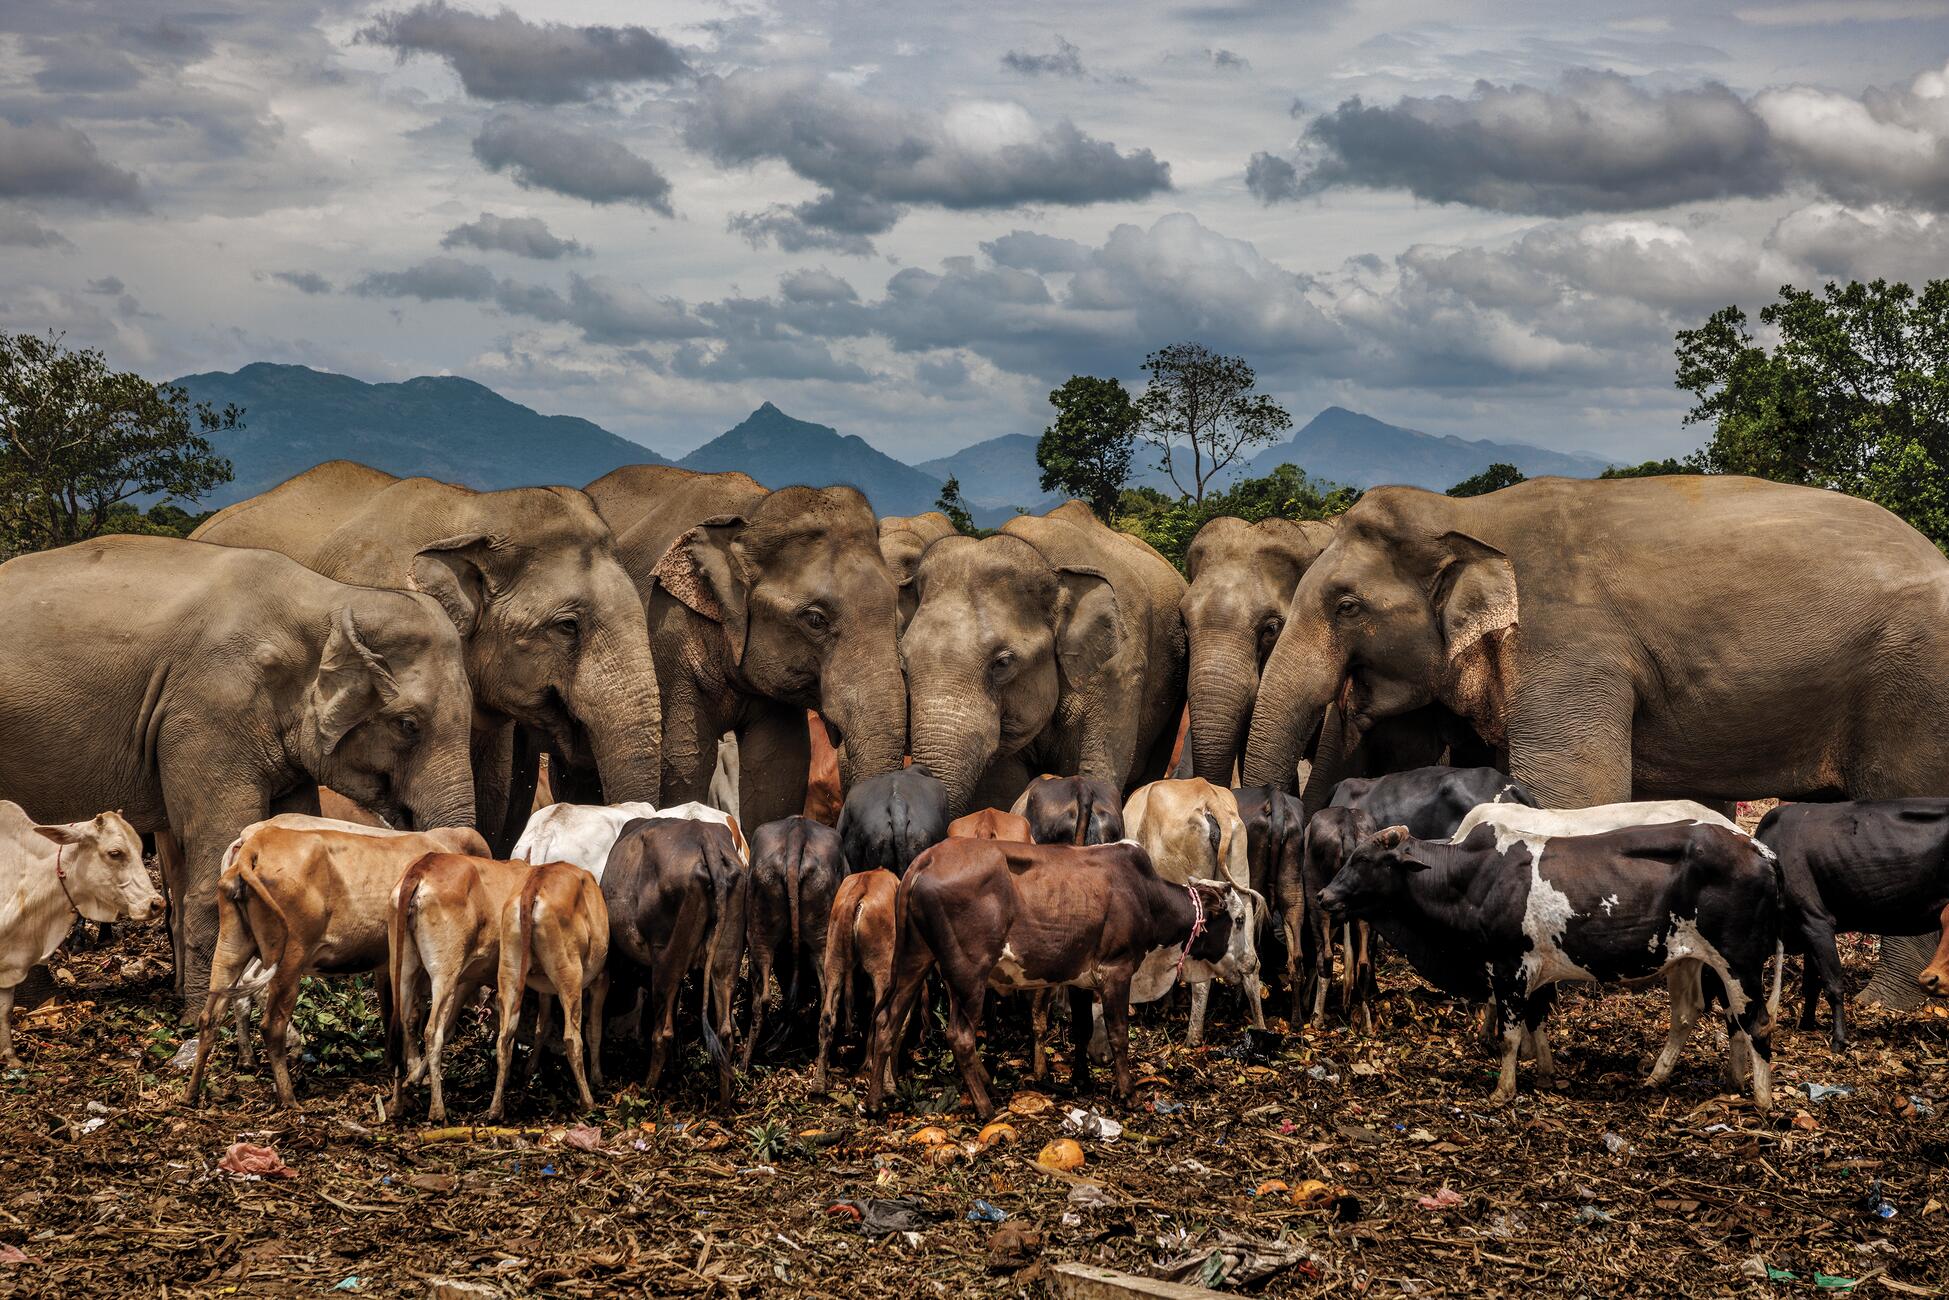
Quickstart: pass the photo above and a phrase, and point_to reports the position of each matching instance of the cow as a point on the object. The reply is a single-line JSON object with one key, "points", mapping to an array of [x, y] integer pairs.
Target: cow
{"points": [[676, 889], [52, 876], [859, 941], [991, 824], [1429, 801], [1191, 830], [444, 941], [1935, 975], [1071, 810], [1517, 821], [584, 833], [1275, 824], [1095, 920], [1622, 906], [554, 941], [1331, 835], [824, 795], [890, 818], [301, 895], [796, 868], [1875, 866]]}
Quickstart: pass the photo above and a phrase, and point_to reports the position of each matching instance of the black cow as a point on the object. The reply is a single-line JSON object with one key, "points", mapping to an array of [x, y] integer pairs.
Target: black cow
{"points": [[1072, 810], [1429, 801], [1626, 905], [796, 867], [1876, 867], [890, 819], [1275, 824]]}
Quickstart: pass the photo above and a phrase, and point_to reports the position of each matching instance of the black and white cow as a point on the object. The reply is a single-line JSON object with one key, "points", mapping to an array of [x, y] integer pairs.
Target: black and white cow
{"points": [[1874, 867], [1429, 801], [1619, 907]]}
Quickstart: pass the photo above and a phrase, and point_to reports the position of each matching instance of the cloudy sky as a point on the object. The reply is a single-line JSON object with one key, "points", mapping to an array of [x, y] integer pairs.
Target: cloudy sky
{"points": [[910, 220]]}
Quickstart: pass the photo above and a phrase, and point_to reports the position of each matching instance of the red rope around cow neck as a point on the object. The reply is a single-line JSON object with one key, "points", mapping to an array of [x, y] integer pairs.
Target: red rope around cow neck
{"points": [[62, 876], [1197, 924]]}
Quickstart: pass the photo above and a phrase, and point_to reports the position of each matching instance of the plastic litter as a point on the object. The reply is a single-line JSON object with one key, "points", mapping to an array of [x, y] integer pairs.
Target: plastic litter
{"points": [[90, 1125], [1165, 1106], [185, 1058], [1822, 1091], [878, 1217], [1090, 1124], [248, 1161], [12, 1254], [986, 1212], [1256, 1047], [1189, 1167], [1591, 1214], [1014, 1245], [1446, 1198], [1320, 1074], [1233, 1262], [1614, 1144], [352, 1283], [1828, 1282], [583, 1137]]}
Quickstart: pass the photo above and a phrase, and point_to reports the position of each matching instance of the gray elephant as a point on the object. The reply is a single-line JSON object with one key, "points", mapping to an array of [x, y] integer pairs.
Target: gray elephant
{"points": [[196, 687], [761, 605], [554, 634], [902, 539], [1242, 576], [1683, 637], [1055, 646]]}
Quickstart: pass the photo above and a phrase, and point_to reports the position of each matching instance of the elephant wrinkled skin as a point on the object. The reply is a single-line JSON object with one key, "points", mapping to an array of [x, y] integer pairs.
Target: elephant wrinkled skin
{"points": [[189, 686]]}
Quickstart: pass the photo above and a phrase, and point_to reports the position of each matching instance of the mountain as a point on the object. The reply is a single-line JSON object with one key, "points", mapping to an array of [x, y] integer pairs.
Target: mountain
{"points": [[442, 427], [1000, 472], [1345, 446], [778, 450]]}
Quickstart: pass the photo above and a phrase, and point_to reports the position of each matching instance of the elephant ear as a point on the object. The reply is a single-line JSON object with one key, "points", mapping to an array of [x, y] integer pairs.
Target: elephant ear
{"points": [[453, 571], [1475, 594], [705, 570], [1089, 623], [353, 681]]}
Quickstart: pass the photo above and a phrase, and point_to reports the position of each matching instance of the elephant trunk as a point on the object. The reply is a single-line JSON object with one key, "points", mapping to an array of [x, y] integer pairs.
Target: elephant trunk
{"points": [[1224, 679], [868, 704], [1299, 682], [614, 697], [957, 741], [443, 794]]}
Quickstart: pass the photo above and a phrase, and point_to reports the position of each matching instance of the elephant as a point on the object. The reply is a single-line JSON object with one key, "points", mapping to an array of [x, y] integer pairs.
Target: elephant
{"points": [[1055, 646], [1241, 577], [761, 605], [554, 634], [1706, 637], [902, 539], [201, 688]]}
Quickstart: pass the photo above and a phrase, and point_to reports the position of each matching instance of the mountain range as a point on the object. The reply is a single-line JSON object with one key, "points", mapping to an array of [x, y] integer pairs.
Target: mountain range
{"points": [[456, 429]]}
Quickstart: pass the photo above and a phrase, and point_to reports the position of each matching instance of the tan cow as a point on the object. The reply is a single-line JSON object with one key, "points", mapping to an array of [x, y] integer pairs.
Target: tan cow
{"points": [[300, 895], [859, 939], [1192, 831], [991, 824], [554, 940], [49, 877]]}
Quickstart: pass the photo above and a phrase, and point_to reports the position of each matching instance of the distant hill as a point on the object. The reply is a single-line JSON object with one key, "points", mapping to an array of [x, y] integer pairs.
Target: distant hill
{"points": [[778, 450], [1345, 446], [1000, 473], [442, 427]]}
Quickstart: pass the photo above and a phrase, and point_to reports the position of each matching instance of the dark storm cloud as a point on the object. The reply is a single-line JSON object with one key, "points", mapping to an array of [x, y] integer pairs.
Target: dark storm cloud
{"points": [[308, 282], [79, 63], [577, 163], [522, 236], [1031, 250], [1065, 61], [507, 57], [1271, 179], [47, 160], [436, 279]]}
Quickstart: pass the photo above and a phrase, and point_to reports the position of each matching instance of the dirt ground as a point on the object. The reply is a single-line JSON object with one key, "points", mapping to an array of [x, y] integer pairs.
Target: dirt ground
{"points": [[109, 1187]]}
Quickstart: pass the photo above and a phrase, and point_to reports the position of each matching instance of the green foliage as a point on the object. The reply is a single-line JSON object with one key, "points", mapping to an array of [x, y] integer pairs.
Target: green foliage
{"points": [[770, 1141], [1199, 410], [1086, 452], [1169, 523], [339, 1019], [1653, 468], [1854, 396], [77, 440], [951, 504], [1501, 474]]}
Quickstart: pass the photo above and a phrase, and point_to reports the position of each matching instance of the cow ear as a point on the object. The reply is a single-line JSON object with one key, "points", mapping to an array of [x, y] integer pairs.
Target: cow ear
{"points": [[353, 681], [453, 571], [1393, 837], [1089, 624], [59, 834], [705, 570]]}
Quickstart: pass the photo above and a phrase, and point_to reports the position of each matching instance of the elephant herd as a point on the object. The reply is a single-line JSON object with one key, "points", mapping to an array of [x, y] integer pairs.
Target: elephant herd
{"points": [[419, 646]]}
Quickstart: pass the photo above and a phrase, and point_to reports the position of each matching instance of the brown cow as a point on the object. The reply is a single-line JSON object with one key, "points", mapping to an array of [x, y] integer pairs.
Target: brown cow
{"points": [[1072, 810], [824, 796], [1025, 916], [859, 937], [992, 824], [796, 867], [554, 940], [677, 892], [445, 939], [303, 896], [1935, 975]]}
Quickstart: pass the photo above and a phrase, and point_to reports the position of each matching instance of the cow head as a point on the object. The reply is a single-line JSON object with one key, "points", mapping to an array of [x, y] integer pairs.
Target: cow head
{"points": [[1935, 975], [101, 866], [1373, 874], [1224, 949]]}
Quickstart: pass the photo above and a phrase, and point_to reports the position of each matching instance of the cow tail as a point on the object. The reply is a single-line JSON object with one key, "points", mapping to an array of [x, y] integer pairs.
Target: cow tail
{"points": [[720, 918], [794, 870], [399, 933], [525, 930], [1782, 914], [248, 885]]}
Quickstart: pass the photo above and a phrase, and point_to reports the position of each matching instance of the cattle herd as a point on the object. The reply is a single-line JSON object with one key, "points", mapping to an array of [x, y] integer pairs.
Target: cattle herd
{"points": [[1031, 826]]}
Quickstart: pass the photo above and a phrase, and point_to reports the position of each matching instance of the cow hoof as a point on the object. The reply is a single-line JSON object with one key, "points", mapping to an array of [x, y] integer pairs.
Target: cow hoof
{"points": [[1500, 1098]]}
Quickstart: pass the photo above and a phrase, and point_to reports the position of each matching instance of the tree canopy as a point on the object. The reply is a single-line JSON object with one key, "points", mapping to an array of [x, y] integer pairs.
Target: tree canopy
{"points": [[78, 441], [1500, 474], [952, 504], [1286, 493], [1199, 410], [1086, 452]]}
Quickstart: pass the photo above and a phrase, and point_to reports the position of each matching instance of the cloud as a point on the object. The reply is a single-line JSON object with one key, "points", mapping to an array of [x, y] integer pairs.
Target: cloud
{"points": [[506, 57], [1228, 60], [1863, 243], [577, 163], [1890, 144], [46, 160], [830, 223], [522, 236], [108, 284], [605, 309], [433, 280], [1066, 61], [307, 282], [1821, 13], [18, 230], [816, 286], [1271, 179], [81, 64], [1030, 250], [874, 158]]}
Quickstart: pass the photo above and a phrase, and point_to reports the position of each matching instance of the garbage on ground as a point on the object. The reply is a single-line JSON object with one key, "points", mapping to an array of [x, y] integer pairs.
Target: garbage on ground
{"points": [[1063, 1154], [1270, 1185], [986, 1212], [1822, 1091], [1232, 1261], [1188, 1166], [1256, 1047], [1014, 1245], [1320, 1074], [879, 1217], [1029, 1103], [1445, 1199], [1165, 1106], [1590, 1214], [248, 1161], [1090, 1124], [1311, 1191], [352, 1283], [91, 1125], [583, 1137], [11, 1254], [1756, 1267], [185, 1058], [1827, 1282], [998, 1132], [1088, 1196], [1614, 1144], [931, 1136]]}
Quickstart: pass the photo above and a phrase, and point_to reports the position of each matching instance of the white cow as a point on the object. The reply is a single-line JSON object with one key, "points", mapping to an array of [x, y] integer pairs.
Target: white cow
{"points": [[583, 833], [51, 876], [1533, 826]]}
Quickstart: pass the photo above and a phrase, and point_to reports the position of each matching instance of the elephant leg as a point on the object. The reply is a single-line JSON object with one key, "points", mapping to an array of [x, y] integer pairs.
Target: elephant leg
{"points": [[208, 802], [493, 759], [1570, 739], [774, 760], [169, 862], [523, 776], [1897, 978]]}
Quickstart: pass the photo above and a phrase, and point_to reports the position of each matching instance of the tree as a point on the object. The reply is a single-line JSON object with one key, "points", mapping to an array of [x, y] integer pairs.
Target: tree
{"points": [[1086, 452], [1653, 468], [951, 504], [77, 440], [1501, 474], [1200, 411], [1169, 523], [1853, 397]]}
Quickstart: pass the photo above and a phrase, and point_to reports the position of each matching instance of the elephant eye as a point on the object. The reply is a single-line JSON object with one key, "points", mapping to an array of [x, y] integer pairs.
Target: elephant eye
{"points": [[1270, 628], [408, 725], [814, 618], [1349, 606], [569, 626], [1001, 663]]}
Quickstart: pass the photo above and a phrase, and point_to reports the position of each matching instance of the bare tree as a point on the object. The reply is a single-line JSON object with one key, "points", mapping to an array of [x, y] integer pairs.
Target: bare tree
{"points": [[1200, 411]]}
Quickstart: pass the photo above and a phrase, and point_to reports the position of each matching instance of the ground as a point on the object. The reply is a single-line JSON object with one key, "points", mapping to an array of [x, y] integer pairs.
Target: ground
{"points": [[109, 1186]]}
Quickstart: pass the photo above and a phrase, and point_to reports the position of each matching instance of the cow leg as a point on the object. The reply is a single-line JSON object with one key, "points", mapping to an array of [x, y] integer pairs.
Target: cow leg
{"points": [[231, 962], [540, 1045], [598, 996], [1538, 1039], [1347, 973], [963, 1024], [761, 962], [440, 1020], [1200, 998], [1512, 1010], [892, 1005], [1688, 1002], [280, 1000], [510, 994], [664, 986], [1810, 992], [1115, 998], [9, 1057], [1081, 1003], [1039, 1002], [831, 997]]}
